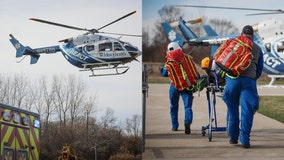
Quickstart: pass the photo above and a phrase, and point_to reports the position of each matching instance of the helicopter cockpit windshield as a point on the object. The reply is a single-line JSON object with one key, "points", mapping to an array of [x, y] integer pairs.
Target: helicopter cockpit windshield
{"points": [[129, 47]]}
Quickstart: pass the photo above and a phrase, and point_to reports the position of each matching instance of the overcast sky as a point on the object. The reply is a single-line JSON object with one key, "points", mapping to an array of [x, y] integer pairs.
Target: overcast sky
{"points": [[121, 93], [150, 10]]}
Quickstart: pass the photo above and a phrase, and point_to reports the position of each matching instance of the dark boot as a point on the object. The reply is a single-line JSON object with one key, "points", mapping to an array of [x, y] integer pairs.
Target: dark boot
{"points": [[187, 128]]}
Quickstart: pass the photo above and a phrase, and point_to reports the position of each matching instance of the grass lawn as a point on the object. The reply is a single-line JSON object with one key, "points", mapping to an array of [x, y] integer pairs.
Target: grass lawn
{"points": [[272, 106]]}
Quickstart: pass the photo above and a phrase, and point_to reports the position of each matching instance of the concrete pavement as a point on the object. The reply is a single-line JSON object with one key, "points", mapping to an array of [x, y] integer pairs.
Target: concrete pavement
{"points": [[267, 136]]}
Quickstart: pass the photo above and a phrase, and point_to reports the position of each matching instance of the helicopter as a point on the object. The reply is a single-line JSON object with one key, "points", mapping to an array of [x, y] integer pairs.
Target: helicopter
{"points": [[268, 36], [89, 51]]}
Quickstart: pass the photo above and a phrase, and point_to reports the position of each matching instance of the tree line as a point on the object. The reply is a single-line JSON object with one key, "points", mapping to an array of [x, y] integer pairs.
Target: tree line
{"points": [[69, 117], [155, 42]]}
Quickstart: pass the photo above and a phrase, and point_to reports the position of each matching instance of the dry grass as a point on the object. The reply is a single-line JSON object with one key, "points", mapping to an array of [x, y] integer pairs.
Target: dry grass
{"points": [[272, 106]]}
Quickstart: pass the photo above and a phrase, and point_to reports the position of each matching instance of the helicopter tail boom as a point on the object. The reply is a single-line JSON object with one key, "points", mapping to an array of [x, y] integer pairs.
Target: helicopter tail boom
{"points": [[33, 53]]}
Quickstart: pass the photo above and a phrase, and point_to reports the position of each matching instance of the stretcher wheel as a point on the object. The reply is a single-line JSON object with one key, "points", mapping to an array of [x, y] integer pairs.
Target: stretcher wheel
{"points": [[210, 131], [203, 132], [210, 137]]}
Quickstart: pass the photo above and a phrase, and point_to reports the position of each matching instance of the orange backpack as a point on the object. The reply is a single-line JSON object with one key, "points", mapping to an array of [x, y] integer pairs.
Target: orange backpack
{"points": [[234, 56], [182, 70]]}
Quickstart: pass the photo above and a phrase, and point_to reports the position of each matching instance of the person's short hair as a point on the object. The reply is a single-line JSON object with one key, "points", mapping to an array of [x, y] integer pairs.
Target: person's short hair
{"points": [[248, 30]]}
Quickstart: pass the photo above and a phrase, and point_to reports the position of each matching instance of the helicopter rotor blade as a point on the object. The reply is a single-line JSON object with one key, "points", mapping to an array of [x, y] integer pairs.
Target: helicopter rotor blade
{"points": [[274, 11], [92, 31], [192, 21], [58, 24], [255, 14], [121, 34], [117, 20]]}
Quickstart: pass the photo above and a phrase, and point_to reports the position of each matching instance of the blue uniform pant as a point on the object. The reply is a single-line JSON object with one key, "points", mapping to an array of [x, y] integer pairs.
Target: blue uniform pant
{"points": [[241, 91], [174, 105]]}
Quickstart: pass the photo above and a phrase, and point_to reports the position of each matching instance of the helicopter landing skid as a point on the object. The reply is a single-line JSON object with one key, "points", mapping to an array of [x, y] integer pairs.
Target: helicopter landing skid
{"points": [[105, 66]]}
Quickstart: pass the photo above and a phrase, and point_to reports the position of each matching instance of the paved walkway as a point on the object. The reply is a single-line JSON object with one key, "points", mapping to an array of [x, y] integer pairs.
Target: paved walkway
{"points": [[267, 136]]}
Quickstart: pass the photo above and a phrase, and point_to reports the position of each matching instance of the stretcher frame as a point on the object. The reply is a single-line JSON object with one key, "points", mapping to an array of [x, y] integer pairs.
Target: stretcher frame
{"points": [[212, 125]]}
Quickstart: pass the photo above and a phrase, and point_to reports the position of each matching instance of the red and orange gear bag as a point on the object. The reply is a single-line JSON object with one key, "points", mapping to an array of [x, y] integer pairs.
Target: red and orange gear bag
{"points": [[234, 56], [182, 70]]}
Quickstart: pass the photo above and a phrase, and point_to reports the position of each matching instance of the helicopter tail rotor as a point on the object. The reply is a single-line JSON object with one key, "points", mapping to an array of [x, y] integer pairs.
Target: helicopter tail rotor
{"points": [[192, 21]]}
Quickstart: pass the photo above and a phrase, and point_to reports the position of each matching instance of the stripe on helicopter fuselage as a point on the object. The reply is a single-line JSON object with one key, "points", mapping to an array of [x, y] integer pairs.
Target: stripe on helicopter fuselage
{"points": [[269, 69], [78, 56]]}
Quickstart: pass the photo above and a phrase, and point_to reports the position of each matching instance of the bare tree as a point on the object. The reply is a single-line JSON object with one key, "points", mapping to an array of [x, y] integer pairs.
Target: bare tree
{"points": [[44, 98], [30, 97], [14, 90], [61, 98], [155, 48], [3, 89], [223, 26], [108, 119], [170, 13], [167, 14], [76, 89], [133, 125], [146, 37], [69, 97], [20, 90]]}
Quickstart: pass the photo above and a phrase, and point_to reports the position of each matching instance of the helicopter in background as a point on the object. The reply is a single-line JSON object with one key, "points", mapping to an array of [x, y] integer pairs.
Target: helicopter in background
{"points": [[89, 51], [268, 35]]}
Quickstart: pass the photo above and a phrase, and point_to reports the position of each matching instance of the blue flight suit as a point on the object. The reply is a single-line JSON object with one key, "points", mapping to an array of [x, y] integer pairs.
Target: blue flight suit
{"points": [[187, 97], [243, 91]]}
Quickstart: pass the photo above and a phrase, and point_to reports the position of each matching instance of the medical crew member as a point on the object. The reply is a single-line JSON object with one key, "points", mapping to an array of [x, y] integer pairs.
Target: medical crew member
{"points": [[174, 94], [243, 91]]}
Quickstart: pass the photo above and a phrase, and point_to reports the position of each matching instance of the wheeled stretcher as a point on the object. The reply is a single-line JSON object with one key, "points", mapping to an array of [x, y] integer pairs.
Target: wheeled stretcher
{"points": [[211, 90]]}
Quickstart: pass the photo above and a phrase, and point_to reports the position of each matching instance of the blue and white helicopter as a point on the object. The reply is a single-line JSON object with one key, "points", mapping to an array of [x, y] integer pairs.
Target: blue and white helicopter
{"points": [[89, 51], [269, 36]]}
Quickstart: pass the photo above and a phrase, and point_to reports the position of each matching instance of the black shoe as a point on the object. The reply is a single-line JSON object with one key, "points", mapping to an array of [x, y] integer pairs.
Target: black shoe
{"points": [[246, 146], [233, 142], [187, 128], [174, 129]]}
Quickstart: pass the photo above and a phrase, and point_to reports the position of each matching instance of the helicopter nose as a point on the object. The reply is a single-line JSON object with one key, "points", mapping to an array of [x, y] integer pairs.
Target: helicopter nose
{"points": [[135, 54]]}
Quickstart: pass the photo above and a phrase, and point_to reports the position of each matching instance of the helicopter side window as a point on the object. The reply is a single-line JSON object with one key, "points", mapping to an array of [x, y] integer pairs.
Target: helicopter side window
{"points": [[90, 48], [117, 46], [105, 46], [280, 46], [80, 49], [268, 47]]}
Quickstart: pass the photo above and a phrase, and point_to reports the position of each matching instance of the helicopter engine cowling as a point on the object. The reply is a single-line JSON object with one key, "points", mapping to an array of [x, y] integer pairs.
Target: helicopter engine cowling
{"points": [[66, 40], [82, 39]]}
